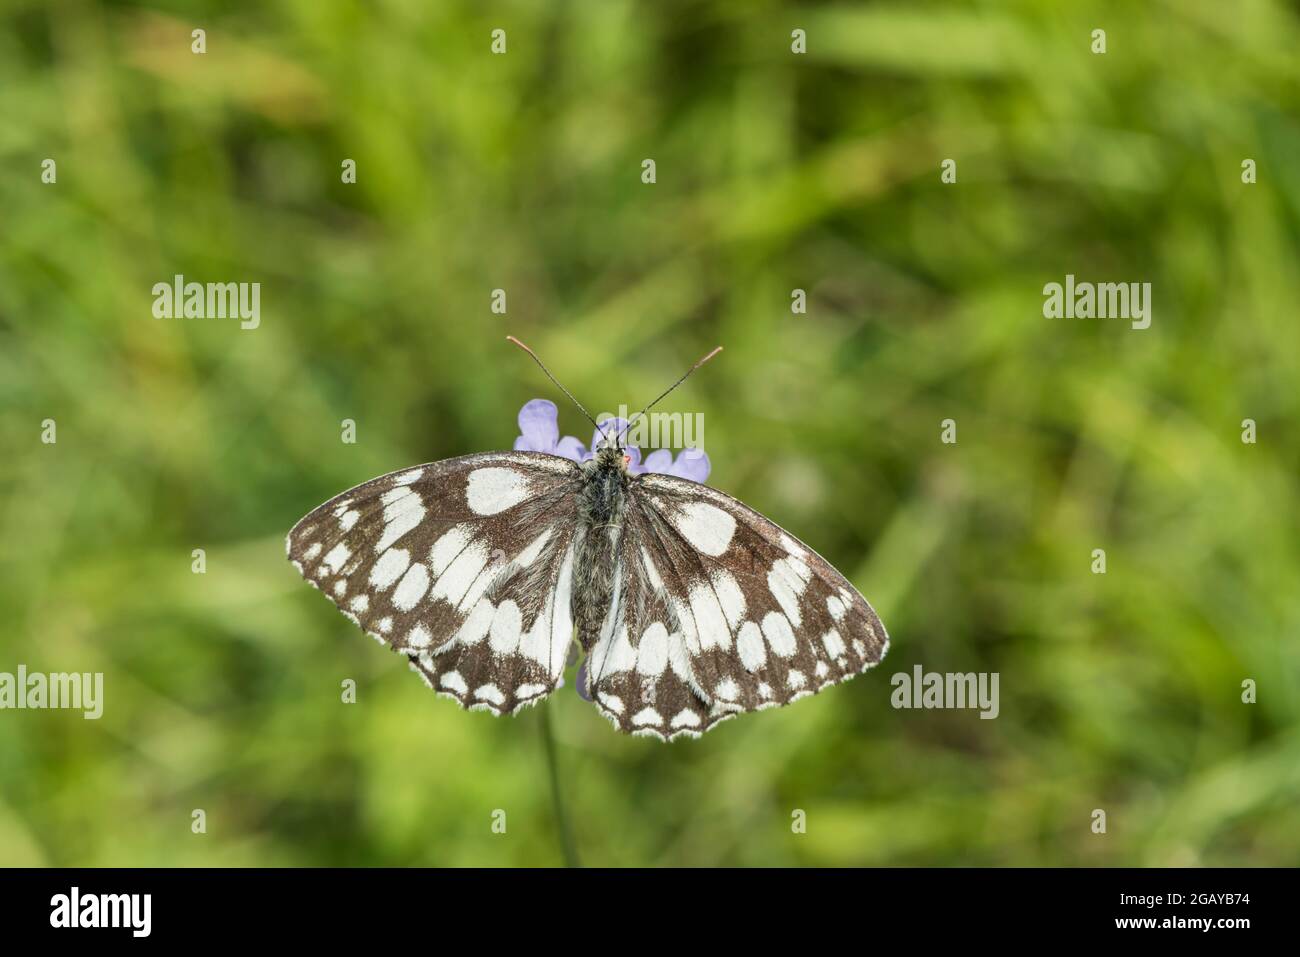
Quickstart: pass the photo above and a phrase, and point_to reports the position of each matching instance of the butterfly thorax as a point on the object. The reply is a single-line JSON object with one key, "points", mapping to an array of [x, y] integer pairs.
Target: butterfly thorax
{"points": [[602, 503]]}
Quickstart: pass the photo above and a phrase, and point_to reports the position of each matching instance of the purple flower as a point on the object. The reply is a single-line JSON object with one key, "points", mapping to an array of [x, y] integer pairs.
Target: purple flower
{"points": [[690, 464], [540, 432], [539, 428]]}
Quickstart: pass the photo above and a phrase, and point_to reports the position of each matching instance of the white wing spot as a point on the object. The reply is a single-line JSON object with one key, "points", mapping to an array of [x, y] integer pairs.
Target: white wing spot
{"points": [[612, 702], [406, 478], [652, 573], [547, 642], [796, 679], [836, 607], [507, 626], [312, 551], [792, 547], [403, 510], [457, 578], [482, 584], [385, 625], [687, 623], [793, 571], [490, 693], [765, 690], [726, 688], [529, 554], [777, 631], [686, 718], [647, 716], [450, 544], [559, 621], [535, 643], [529, 691], [708, 528], [611, 656], [749, 645], [390, 567], [834, 643], [360, 604], [454, 681], [418, 637], [395, 496], [348, 519], [411, 588], [340, 587], [493, 490], [678, 660], [710, 622], [785, 595], [476, 625], [730, 596], [822, 669], [652, 652], [336, 556]]}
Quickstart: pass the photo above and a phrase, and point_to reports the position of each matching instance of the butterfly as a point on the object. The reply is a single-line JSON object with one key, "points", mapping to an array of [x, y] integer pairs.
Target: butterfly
{"points": [[691, 607]]}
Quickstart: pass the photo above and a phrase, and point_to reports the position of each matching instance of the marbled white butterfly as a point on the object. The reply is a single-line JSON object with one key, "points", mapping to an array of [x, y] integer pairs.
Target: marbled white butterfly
{"points": [[690, 606]]}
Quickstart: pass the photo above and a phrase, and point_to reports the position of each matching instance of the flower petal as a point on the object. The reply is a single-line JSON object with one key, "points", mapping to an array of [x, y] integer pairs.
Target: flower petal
{"points": [[692, 464], [539, 425], [660, 460], [570, 448]]}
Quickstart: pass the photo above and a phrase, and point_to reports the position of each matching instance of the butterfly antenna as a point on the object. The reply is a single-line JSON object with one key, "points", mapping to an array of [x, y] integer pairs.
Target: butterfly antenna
{"points": [[557, 383], [666, 391]]}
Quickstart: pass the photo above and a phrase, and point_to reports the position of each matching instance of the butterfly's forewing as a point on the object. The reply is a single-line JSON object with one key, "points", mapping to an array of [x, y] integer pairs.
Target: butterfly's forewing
{"points": [[716, 611], [464, 566]]}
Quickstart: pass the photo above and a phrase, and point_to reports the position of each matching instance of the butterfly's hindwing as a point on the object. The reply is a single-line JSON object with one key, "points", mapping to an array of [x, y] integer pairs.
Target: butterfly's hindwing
{"points": [[465, 566], [716, 611]]}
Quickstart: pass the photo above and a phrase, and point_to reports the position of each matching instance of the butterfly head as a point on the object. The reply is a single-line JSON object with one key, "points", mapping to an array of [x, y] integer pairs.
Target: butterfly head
{"points": [[610, 455]]}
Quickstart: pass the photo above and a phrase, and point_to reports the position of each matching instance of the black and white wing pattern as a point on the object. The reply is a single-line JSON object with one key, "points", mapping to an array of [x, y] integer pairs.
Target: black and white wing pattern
{"points": [[716, 611], [465, 566]]}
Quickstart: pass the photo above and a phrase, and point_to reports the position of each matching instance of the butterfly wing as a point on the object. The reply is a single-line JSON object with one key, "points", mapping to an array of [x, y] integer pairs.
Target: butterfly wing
{"points": [[716, 611], [465, 566]]}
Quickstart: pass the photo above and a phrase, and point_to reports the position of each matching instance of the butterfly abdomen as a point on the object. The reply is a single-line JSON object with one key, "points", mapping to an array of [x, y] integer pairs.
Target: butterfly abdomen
{"points": [[602, 503]]}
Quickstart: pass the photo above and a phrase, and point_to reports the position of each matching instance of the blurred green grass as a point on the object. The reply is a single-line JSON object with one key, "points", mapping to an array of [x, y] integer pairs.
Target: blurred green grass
{"points": [[775, 171]]}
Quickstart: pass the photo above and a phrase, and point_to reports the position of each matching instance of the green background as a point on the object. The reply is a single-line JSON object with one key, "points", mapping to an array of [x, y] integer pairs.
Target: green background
{"points": [[775, 171]]}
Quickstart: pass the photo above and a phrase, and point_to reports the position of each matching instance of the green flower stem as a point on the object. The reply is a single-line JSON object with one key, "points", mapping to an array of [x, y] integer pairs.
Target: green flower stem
{"points": [[567, 847]]}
